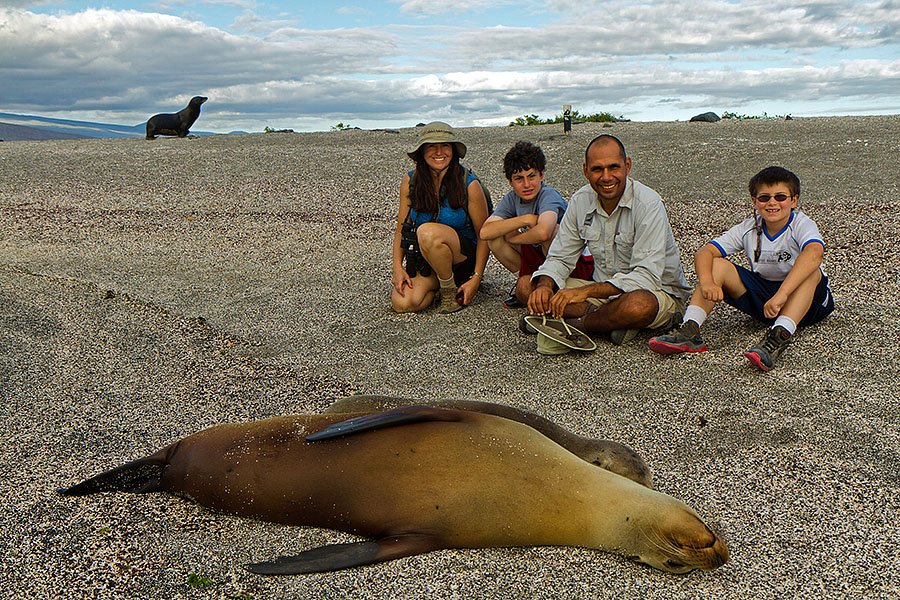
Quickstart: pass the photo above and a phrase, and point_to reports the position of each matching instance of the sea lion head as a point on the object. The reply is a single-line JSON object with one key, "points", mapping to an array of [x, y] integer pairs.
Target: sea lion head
{"points": [[678, 541]]}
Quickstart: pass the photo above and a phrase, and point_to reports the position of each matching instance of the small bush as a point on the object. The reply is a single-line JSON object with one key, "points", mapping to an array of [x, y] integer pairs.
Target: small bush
{"points": [[603, 117], [731, 115]]}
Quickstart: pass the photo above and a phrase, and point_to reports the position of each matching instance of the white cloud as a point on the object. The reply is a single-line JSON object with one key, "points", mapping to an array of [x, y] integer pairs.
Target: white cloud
{"points": [[666, 56], [250, 21], [429, 7]]}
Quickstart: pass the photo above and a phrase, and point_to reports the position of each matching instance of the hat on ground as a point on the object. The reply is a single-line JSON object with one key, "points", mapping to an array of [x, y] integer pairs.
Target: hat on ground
{"points": [[437, 132], [557, 337]]}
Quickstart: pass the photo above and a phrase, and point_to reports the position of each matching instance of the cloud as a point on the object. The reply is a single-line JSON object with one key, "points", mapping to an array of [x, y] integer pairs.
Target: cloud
{"points": [[429, 7], [251, 22], [167, 5], [126, 65]]}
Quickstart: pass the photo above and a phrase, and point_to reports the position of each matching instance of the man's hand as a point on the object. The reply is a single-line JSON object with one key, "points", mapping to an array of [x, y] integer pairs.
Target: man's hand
{"points": [[539, 300], [562, 298]]}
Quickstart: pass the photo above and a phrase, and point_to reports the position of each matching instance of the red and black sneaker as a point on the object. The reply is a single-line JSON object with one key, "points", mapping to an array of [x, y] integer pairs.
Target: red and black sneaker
{"points": [[683, 339], [764, 353]]}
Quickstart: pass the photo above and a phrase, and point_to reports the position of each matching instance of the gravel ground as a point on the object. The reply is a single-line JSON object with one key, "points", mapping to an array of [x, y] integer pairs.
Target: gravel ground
{"points": [[150, 289]]}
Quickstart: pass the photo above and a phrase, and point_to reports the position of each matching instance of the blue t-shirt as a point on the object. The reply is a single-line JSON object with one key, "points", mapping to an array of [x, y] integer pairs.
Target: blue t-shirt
{"points": [[547, 199], [457, 218]]}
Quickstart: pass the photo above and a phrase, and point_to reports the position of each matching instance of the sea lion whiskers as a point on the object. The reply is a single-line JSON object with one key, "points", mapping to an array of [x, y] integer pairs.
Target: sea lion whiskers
{"points": [[685, 550]]}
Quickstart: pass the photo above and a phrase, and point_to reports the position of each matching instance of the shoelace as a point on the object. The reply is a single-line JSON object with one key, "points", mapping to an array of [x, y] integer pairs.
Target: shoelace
{"points": [[772, 342]]}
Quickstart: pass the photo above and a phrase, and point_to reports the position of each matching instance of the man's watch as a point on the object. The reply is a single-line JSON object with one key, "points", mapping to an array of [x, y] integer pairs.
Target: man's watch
{"points": [[523, 229]]}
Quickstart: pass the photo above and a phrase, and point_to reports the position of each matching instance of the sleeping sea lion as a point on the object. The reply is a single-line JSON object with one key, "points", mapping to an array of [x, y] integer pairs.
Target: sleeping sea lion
{"points": [[612, 456], [417, 479], [175, 124]]}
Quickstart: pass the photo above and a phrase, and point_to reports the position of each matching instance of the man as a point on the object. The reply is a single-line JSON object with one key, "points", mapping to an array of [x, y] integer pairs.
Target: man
{"points": [[637, 281]]}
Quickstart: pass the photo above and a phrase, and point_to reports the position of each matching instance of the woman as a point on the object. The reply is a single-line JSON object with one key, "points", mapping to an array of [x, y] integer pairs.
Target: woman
{"points": [[445, 207]]}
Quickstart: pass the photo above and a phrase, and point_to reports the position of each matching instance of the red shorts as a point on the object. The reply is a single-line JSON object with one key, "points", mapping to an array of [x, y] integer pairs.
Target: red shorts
{"points": [[533, 257]]}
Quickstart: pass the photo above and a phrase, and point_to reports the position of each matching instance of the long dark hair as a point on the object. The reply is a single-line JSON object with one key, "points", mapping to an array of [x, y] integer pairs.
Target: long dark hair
{"points": [[422, 195]]}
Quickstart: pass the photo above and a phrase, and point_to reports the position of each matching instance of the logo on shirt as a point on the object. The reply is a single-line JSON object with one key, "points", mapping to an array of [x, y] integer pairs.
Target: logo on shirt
{"points": [[772, 258]]}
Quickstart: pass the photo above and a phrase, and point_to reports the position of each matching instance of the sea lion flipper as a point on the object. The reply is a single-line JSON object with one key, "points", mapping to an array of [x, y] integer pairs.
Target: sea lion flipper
{"points": [[139, 476], [335, 557], [390, 418]]}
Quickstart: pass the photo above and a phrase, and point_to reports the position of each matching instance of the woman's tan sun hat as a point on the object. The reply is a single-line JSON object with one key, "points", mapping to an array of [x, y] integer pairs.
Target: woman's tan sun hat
{"points": [[437, 132]]}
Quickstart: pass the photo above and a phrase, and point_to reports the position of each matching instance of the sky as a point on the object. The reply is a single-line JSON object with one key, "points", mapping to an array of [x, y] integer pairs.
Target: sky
{"points": [[311, 65]]}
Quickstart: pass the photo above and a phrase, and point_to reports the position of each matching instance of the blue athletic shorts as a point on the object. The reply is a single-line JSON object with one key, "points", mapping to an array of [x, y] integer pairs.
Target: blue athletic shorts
{"points": [[760, 290]]}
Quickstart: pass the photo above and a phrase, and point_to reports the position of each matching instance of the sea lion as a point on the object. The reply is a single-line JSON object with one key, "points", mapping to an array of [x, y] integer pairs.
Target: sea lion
{"points": [[417, 479], [175, 124], [612, 456]]}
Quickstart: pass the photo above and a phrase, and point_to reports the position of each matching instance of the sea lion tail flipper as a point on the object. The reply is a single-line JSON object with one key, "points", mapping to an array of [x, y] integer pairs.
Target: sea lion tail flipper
{"points": [[390, 418], [138, 476], [335, 557]]}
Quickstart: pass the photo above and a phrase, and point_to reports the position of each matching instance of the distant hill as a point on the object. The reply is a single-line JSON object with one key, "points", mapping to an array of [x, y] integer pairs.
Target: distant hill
{"points": [[19, 133], [24, 127]]}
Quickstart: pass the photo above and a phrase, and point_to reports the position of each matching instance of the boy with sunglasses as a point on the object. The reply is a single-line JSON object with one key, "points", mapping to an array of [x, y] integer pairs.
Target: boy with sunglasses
{"points": [[786, 286]]}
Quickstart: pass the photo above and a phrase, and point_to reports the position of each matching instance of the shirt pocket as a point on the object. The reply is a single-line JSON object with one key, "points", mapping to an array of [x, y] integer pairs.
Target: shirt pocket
{"points": [[625, 239], [624, 248], [592, 232]]}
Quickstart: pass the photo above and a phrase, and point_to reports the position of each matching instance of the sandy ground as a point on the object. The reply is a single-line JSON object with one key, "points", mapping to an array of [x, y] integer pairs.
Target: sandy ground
{"points": [[149, 289]]}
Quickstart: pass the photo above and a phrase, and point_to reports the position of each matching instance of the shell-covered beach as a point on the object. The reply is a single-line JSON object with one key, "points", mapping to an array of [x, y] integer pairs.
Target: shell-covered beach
{"points": [[149, 289]]}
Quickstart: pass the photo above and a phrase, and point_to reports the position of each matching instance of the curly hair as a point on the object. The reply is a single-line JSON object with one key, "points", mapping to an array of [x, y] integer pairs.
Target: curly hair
{"points": [[524, 156]]}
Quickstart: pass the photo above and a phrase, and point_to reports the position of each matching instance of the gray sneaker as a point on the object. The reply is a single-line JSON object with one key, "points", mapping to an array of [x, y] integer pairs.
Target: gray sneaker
{"points": [[684, 339], [622, 336], [764, 354], [524, 327]]}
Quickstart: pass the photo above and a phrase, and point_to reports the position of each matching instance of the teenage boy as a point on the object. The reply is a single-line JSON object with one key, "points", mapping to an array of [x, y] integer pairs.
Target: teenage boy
{"points": [[786, 286], [523, 224]]}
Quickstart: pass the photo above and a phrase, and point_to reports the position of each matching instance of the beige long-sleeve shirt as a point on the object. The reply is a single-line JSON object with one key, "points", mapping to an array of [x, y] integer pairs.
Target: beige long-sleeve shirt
{"points": [[633, 247]]}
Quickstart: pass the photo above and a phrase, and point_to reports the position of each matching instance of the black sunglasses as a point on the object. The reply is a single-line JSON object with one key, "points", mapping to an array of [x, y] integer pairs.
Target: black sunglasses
{"points": [[766, 197]]}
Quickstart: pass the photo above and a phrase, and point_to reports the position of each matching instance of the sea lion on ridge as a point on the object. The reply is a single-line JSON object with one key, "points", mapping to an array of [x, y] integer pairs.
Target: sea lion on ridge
{"points": [[417, 479], [610, 455], [175, 124]]}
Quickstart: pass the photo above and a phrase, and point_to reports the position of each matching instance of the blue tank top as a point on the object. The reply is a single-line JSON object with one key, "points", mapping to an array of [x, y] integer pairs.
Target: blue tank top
{"points": [[451, 217]]}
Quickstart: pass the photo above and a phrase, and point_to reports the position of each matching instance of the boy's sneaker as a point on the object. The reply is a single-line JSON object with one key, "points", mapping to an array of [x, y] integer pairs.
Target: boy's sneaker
{"points": [[513, 301], [684, 339], [764, 353]]}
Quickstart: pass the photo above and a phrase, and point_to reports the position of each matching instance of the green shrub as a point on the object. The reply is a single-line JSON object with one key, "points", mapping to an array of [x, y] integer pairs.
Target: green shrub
{"points": [[603, 117], [730, 115]]}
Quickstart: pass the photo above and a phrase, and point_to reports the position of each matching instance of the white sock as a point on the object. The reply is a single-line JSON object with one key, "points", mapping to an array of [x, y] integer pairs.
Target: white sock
{"points": [[695, 314], [787, 323]]}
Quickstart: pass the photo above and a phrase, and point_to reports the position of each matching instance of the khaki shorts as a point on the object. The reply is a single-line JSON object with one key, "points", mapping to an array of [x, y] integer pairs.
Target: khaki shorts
{"points": [[670, 307]]}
